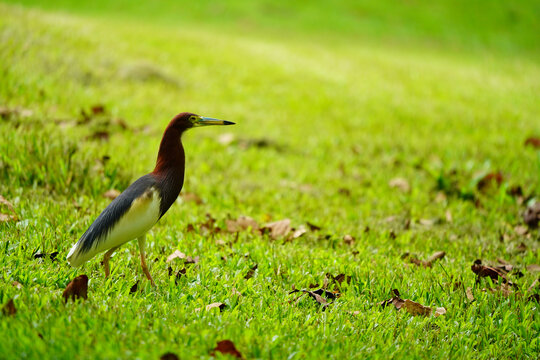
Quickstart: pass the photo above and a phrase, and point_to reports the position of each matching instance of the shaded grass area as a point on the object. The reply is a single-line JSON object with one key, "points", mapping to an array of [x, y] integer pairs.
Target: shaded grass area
{"points": [[322, 129]]}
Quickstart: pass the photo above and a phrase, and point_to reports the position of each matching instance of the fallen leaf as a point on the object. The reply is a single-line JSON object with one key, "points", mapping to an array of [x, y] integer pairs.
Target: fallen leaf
{"points": [[179, 274], [533, 268], [521, 230], [190, 260], [348, 239], [8, 217], [415, 308], [531, 216], [427, 222], [111, 194], [469, 294], [486, 271], [313, 227], [98, 109], [427, 263], [278, 228], [299, 232], [169, 356], [191, 197], [51, 256], [9, 308], [76, 289], [227, 347], [218, 305], [495, 178], [176, 255], [410, 306], [134, 288], [242, 223], [318, 298], [251, 271], [400, 183], [535, 283], [436, 256], [439, 311], [395, 300], [100, 135], [533, 141], [17, 284]]}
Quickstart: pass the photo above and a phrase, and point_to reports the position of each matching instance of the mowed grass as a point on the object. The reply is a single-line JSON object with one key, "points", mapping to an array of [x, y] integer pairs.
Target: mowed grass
{"points": [[323, 125]]}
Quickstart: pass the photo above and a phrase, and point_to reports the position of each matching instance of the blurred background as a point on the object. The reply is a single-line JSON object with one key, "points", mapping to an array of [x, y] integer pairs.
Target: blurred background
{"points": [[333, 99]]}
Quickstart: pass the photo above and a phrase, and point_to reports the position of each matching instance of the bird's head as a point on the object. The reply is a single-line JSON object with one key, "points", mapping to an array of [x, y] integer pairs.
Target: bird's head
{"points": [[185, 120]]}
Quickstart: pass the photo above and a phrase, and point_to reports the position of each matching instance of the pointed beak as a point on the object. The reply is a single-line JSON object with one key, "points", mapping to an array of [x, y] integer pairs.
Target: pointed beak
{"points": [[205, 121]]}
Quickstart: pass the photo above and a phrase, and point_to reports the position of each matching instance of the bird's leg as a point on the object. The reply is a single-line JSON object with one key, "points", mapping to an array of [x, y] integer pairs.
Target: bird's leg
{"points": [[106, 260], [142, 241]]}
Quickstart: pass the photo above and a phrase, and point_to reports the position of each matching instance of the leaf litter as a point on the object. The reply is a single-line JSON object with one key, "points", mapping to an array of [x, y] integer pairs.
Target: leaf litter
{"points": [[76, 289], [412, 307]]}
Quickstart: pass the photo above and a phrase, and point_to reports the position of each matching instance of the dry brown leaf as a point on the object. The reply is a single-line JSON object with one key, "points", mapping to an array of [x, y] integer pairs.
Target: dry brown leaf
{"points": [[76, 289], [531, 216], [439, 311], [494, 178], [469, 294], [278, 229], [17, 284], [111, 194], [533, 268], [415, 308], [169, 356], [521, 230], [191, 260], [486, 271], [242, 223], [400, 183], [218, 305], [227, 347], [348, 239], [8, 217], [410, 306], [299, 232], [177, 254], [9, 308], [134, 288], [396, 300], [428, 263], [191, 197], [426, 222], [313, 227], [533, 141], [251, 271], [535, 283], [436, 256]]}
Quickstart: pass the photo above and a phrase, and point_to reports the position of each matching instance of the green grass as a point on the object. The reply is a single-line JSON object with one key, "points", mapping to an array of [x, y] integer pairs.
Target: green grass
{"points": [[392, 93]]}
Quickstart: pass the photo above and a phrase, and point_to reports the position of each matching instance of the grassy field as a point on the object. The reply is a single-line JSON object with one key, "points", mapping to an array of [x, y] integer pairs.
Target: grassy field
{"points": [[333, 103]]}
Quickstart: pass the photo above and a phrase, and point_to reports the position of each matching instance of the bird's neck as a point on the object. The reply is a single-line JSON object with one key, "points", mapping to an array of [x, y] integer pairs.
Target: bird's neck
{"points": [[171, 157]]}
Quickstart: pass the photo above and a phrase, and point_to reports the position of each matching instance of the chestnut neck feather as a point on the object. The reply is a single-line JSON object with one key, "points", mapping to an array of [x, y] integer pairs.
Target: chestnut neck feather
{"points": [[170, 165]]}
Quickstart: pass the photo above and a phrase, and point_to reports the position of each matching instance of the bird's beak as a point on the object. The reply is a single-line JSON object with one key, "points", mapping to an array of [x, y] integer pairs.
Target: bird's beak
{"points": [[205, 121]]}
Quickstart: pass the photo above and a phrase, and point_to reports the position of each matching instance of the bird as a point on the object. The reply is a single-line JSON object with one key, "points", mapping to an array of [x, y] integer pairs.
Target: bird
{"points": [[138, 208]]}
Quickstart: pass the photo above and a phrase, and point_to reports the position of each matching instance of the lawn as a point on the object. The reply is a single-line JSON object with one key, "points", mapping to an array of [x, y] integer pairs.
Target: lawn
{"points": [[380, 129]]}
